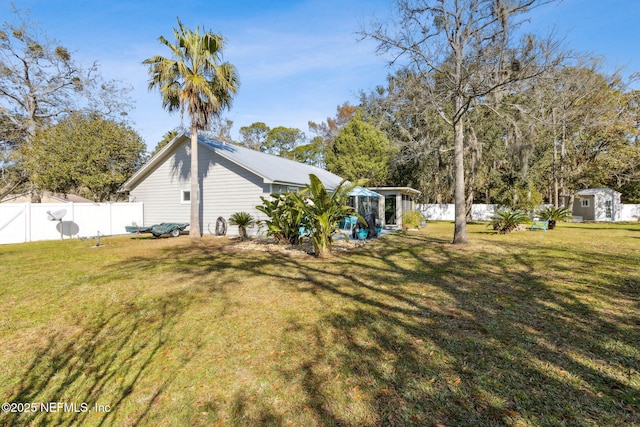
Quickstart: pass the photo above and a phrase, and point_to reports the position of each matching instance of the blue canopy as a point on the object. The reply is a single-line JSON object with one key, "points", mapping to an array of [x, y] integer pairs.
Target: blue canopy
{"points": [[363, 192]]}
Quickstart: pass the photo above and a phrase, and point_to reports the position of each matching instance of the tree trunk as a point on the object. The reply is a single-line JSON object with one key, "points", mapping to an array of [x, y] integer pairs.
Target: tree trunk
{"points": [[36, 194], [556, 189], [194, 226], [460, 229]]}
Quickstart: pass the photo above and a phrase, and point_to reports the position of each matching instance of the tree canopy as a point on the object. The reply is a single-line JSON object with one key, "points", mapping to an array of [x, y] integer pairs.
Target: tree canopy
{"points": [[41, 84], [282, 140], [85, 154], [359, 152], [254, 136], [464, 51]]}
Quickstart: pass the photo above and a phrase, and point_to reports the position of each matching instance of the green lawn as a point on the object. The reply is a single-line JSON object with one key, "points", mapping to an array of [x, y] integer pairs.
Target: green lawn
{"points": [[525, 329]]}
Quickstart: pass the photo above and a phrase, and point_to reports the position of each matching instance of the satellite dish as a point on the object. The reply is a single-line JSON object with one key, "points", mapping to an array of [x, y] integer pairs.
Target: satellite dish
{"points": [[57, 215]]}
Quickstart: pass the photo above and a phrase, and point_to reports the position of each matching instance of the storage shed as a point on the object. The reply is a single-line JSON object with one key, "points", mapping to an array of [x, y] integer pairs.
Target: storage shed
{"points": [[597, 204]]}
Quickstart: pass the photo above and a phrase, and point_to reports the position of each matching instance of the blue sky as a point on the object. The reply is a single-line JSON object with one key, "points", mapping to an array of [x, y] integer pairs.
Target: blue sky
{"points": [[297, 59]]}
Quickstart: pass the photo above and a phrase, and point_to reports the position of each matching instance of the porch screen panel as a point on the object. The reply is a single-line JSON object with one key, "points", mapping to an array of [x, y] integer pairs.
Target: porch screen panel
{"points": [[407, 203]]}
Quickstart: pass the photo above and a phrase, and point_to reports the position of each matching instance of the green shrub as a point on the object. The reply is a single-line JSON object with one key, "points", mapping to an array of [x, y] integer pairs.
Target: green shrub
{"points": [[412, 219], [285, 217], [243, 220], [506, 221]]}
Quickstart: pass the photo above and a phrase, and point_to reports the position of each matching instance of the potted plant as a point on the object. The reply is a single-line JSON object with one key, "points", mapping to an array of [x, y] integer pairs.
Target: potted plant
{"points": [[363, 233], [553, 214], [243, 220]]}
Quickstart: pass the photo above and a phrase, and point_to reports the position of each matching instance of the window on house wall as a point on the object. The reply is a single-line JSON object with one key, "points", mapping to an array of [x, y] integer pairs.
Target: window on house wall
{"points": [[185, 196], [278, 188], [585, 203]]}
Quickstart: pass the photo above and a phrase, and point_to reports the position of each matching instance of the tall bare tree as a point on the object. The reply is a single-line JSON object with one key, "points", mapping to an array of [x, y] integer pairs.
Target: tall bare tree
{"points": [[40, 84], [465, 50]]}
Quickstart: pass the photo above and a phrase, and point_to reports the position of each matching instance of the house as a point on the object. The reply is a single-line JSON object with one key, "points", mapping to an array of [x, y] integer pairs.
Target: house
{"points": [[597, 204], [231, 179]]}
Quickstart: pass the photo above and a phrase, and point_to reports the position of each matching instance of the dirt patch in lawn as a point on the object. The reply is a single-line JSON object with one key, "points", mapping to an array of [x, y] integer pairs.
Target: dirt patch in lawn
{"points": [[303, 249]]}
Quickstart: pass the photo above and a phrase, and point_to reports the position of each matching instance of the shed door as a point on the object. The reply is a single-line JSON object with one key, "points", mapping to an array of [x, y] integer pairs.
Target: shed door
{"points": [[390, 209], [607, 209]]}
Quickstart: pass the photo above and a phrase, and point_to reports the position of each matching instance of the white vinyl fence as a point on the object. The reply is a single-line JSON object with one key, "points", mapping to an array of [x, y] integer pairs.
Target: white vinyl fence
{"points": [[446, 212], [28, 222], [482, 212], [629, 213]]}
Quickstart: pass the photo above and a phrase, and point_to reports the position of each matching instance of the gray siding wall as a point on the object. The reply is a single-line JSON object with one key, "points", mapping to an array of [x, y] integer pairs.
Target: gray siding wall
{"points": [[587, 213], [225, 189], [161, 190]]}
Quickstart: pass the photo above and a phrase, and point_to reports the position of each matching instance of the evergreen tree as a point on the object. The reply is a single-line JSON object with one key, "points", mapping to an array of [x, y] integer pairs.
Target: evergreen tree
{"points": [[360, 151]]}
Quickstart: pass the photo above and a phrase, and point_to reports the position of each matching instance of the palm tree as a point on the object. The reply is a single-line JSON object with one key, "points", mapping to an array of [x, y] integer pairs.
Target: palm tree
{"points": [[194, 79]]}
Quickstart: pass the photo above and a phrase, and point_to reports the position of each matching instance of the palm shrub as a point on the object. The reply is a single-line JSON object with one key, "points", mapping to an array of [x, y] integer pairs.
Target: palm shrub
{"points": [[243, 220], [284, 217], [554, 214], [508, 220], [323, 211]]}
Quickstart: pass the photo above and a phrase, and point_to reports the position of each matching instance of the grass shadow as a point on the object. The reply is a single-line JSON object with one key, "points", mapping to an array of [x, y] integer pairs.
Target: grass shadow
{"points": [[105, 358], [407, 330], [435, 335]]}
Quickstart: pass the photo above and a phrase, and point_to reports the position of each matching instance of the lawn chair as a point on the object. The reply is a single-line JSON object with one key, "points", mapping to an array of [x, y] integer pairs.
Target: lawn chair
{"points": [[350, 222]]}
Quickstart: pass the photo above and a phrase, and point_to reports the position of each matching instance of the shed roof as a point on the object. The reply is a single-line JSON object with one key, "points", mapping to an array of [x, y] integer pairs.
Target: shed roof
{"points": [[401, 190], [272, 169], [594, 191]]}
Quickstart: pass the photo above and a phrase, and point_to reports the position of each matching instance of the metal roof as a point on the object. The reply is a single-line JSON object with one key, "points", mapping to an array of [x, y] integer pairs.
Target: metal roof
{"points": [[272, 169], [594, 191]]}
